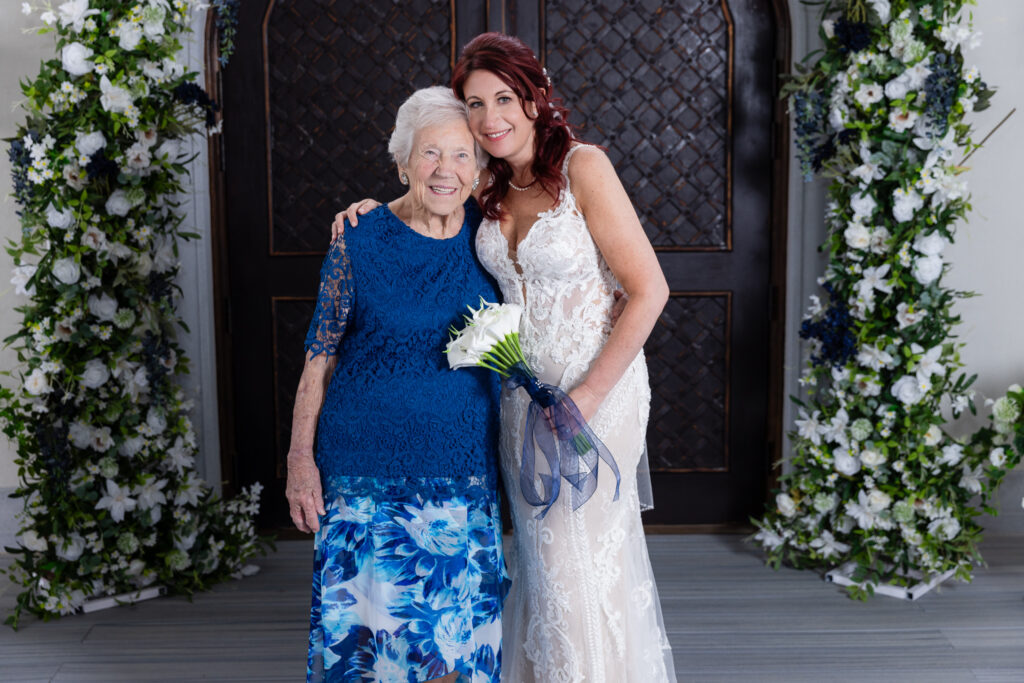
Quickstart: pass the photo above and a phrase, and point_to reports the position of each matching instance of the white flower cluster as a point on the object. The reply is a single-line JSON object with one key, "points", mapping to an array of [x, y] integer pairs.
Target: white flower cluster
{"points": [[874, 477], [98, 414]]}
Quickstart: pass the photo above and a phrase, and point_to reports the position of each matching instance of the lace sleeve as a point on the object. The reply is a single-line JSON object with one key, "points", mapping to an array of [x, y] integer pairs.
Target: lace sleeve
{"points": [[334, 302]]}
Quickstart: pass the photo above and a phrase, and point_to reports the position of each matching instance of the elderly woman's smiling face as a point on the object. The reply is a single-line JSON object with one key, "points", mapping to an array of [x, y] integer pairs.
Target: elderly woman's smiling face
{"points": [[442, 167]]}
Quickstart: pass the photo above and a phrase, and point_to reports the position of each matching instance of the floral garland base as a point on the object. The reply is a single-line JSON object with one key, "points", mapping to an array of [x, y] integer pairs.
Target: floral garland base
{"points": [[106, 451], [876, 480]]}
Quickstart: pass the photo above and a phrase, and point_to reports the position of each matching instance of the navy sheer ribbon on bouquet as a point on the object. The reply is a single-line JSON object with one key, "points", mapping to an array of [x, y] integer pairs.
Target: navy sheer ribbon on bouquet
{"points": [[570, 447]]}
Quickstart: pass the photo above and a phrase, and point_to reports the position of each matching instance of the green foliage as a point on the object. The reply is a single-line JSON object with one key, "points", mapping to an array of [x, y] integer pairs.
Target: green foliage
{"points": [[105, 448], [874, 478]]}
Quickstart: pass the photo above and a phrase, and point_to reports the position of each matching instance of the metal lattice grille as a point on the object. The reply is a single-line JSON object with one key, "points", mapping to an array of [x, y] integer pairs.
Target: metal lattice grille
{"points": [[336, 74], [650, 81], [688, 360], [290, 320]]}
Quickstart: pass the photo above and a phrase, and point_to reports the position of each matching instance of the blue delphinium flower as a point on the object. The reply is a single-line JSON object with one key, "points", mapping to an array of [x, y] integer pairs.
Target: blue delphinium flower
{"points": [[832, 330]]}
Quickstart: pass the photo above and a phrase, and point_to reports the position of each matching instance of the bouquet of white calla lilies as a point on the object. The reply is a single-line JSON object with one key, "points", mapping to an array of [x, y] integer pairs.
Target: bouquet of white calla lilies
{"points": [[570, 447]]}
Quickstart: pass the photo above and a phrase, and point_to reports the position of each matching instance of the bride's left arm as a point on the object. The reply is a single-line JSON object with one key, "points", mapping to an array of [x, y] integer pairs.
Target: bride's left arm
{"points": [[624, 245]]}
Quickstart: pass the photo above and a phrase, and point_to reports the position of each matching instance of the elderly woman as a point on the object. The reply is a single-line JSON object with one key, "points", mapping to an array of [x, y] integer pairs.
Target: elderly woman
{"points": [[400, 489]]}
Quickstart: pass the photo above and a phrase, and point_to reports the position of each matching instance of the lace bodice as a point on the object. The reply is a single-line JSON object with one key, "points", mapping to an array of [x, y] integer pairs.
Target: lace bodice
{"points": [[584, 606], [560, 279]]}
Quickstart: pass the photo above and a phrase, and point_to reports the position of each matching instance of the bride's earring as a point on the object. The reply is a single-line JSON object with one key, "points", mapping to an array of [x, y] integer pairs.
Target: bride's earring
{"points": [[476, 182], [404, 179]]}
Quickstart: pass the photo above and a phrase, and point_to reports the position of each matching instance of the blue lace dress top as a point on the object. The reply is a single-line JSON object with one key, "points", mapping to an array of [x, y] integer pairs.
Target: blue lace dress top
{"points": [[409, 577], [393, 407]]}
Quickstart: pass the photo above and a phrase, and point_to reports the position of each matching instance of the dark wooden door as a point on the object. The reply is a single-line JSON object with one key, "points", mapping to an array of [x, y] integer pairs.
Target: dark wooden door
{"points": [[680, 93]]}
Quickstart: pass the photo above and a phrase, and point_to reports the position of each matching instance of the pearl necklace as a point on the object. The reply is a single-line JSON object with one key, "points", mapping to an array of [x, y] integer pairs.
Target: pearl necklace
{"points": [[521, 189]]}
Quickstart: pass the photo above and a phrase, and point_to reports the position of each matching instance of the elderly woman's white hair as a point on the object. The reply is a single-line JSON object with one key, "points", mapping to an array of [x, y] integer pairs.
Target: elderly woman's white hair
{"points": [[424, 108]]}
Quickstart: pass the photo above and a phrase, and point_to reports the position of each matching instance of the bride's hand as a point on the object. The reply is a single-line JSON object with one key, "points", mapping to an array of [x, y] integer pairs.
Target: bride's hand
{"points": [[586, 401], [352, 213]]}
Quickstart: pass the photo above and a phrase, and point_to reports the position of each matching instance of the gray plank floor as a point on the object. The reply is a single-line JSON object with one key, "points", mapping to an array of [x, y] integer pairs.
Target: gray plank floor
{"points": [[729, 619]]}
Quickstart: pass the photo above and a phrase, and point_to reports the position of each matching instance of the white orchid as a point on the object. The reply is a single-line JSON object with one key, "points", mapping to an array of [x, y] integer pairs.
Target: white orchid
{"points": [[808, 426], [827, 546], [74, 13], [117, 501]]}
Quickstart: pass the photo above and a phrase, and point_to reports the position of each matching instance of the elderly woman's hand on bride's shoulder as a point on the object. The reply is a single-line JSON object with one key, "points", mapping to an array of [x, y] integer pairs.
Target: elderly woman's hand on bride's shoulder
{"points": [[352, 213]]}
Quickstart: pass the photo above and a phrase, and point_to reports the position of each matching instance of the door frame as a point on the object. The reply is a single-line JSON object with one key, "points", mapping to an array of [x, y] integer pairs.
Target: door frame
{"points": [[780, 377]]}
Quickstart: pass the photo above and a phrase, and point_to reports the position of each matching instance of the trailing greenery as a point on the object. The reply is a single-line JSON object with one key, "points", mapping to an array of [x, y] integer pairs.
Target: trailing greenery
{"points": [[105, 447], [875, 479]]}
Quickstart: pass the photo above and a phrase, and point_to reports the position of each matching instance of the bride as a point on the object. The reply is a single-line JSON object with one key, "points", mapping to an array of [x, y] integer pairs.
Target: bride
{"points": [[560, 235]]}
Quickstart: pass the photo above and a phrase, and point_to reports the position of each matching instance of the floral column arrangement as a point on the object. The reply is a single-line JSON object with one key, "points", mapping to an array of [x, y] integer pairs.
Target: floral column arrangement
{"points": [[105, 447], [875, 479]]}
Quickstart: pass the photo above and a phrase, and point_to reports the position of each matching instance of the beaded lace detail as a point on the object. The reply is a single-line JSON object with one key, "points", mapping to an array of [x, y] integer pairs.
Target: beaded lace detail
{"points": [[583, 605]]}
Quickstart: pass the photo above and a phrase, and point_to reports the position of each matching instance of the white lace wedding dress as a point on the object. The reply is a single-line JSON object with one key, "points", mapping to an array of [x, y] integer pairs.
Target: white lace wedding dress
{"points": [[583, 604]]}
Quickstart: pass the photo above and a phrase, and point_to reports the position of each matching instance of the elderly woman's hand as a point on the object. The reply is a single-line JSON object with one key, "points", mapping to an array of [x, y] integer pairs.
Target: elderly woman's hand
{"points": [[304, 493], [352, 213]]}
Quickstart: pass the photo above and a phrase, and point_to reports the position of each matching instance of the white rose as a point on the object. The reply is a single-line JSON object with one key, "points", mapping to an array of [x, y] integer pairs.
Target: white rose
{"points": [[944, 528], [901, 121], [128, 35], [37, 383], [933, 436], [882, 9], [147, 137], [871, 458], [897, 88], [927, 269], [785, 504], [59, 219], [906, 317], [95, 374], [114, 99], [909, 389], [997, 457], [33, 541], [20, 277], [863, 206], [952, 454], [172, 68], [169, 150], [102, 441], [89, 143], [152, 70], [66, 271], [95, 239], [80, 434], [118, 203], [164, 258], [153, 21], [931, 244], [137, 157], [132, 445], [103, 307], [75, 177], [156, 421], [868, 94], [75, 59], [144, 265], [878, 500], [829, 27], [70, 548], [857, 236], [846, 463]]}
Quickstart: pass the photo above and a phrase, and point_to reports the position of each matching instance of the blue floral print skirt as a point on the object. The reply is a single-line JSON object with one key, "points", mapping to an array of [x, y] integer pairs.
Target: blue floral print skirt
{"points": [[408, 583]]}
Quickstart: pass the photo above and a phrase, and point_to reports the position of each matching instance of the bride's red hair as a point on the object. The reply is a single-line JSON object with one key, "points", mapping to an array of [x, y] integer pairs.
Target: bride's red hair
{"points": [[513, 62]]}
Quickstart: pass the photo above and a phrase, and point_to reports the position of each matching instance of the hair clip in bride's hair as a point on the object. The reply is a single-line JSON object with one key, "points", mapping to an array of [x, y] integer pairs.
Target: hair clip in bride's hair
{"points": [[544, 70]]}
